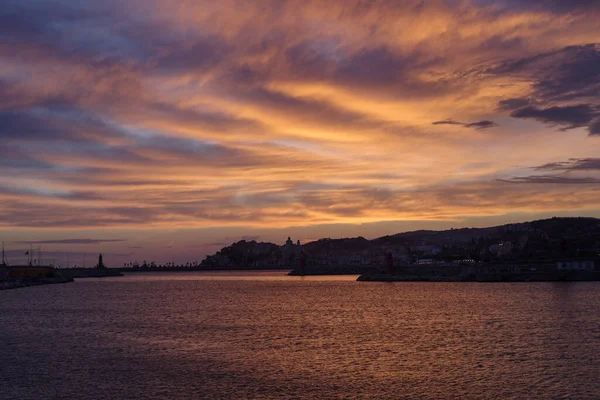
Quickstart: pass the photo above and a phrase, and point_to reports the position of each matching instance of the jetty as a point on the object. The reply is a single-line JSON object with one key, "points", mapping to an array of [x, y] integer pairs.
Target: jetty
{"points": [[557, 271], [19, 276]]}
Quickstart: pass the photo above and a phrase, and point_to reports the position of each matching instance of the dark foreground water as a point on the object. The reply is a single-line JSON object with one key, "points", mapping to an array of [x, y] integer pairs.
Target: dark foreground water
{"points": [[189, 336]]}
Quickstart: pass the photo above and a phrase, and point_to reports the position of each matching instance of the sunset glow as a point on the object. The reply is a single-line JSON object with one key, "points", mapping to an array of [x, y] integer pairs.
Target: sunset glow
{"points": [[160, 129]]}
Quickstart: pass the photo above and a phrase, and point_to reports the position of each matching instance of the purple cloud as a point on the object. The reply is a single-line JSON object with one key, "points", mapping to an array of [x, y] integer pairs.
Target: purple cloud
{"points": [[74, 241], [569, 116], [479, 125]]}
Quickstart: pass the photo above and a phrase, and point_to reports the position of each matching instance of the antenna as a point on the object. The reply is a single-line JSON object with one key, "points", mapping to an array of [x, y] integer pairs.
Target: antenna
{"points": [[3, 263]]}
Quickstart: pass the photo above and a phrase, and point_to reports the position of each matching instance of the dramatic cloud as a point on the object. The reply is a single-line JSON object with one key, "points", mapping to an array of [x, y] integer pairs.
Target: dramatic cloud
{"points": [[569, 116], [566, 87], [143, 120]]}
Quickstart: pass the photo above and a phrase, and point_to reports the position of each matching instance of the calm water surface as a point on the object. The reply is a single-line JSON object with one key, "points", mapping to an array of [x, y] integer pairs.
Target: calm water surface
{"points": [[264, 335]]}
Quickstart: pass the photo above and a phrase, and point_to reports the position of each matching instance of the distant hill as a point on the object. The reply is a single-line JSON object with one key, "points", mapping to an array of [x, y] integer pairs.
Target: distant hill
{"points": [[540, 239], [324, 245]]}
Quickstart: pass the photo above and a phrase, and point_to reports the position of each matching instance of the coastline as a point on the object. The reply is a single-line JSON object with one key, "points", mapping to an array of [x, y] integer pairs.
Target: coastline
{"points": [[22, 283], [58, 276], [542, 271], [88, 272], [556, 276]]}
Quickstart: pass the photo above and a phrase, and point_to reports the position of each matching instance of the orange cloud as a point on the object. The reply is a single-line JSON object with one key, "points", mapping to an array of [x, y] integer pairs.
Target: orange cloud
{"points": [[267, 113]]}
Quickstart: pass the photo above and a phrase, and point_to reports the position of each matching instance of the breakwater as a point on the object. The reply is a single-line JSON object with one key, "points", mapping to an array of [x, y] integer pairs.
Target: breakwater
{"points": [[544, 271], [88, 272], [470, 276], [21, 283], [336, 270], [26, 276]]}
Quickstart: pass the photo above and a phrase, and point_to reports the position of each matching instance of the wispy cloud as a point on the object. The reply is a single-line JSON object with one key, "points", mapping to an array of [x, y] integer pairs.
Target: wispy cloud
{"points": [[479, 125], [553, 179], [565, 85], [568, 116], [573, 164], [74, 241], [582, 171], [152, 115]]}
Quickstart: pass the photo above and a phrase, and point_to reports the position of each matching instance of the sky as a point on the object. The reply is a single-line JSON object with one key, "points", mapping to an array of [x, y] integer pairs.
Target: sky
{"points": [[164, 130]]}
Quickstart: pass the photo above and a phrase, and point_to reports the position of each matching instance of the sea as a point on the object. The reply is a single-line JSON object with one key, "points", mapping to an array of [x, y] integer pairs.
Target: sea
{"points": [[264, 335]]}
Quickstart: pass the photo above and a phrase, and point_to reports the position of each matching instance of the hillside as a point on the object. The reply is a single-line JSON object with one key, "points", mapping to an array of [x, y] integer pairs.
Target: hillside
{"points": [[535, 240]]}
